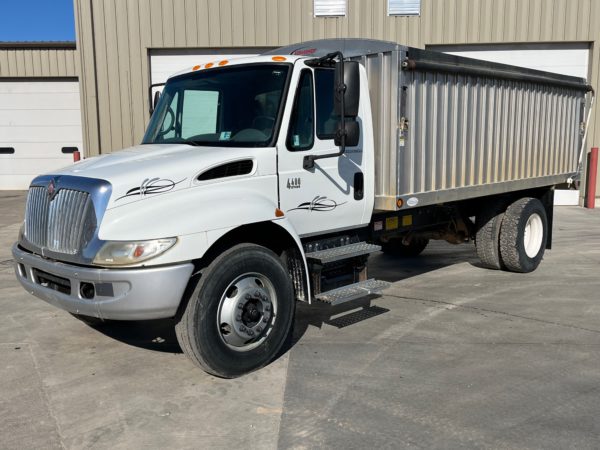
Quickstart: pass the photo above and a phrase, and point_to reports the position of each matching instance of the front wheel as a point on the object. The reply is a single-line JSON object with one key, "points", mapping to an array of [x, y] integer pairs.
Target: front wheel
{"points": [[239, 314]]}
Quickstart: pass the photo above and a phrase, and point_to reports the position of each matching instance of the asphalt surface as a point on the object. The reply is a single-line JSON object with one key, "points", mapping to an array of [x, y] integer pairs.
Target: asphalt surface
{"points": [[451, 356]]}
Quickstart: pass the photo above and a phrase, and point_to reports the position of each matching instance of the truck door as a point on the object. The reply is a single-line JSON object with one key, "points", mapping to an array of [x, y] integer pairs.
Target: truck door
{"points": [[330, 196]]}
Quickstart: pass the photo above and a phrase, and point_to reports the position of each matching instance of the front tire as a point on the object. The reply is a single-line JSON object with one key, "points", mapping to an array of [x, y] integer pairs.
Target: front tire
{"points": [[523, 235], [239, 314]]}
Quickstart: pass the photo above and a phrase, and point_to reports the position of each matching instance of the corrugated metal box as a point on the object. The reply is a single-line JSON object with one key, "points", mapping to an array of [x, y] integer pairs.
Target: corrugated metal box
{"points": [[450, 128]]}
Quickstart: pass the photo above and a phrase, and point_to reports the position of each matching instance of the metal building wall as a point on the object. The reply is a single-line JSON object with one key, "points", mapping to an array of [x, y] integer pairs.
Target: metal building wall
{"points": [[114, 37], [44, 60]]}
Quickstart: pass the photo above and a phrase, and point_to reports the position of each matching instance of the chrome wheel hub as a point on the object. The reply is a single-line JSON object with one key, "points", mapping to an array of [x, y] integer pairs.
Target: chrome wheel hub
{"points": [[247, 311]]}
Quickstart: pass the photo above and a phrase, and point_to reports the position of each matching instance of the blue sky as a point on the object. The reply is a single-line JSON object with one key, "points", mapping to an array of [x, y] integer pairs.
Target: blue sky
{"points": [[37, 20]]}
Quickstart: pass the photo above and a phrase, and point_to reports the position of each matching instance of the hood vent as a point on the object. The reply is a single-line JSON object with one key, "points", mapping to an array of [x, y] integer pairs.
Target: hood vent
{"points": [[231, 169]]}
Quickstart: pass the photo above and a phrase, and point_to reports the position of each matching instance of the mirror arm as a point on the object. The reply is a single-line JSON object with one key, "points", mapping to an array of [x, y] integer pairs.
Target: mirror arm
{"points": [[309, 160]]}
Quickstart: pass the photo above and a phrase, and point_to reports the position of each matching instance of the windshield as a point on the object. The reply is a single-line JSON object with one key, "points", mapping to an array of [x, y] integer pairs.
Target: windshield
{"points": [[233, 107]]}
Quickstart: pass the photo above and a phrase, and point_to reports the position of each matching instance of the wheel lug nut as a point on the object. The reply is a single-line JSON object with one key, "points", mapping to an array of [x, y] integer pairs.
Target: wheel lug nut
{"points": [[265, 320], [247, 297], [268, 308], [238, 317], [240, 306], [251, 333], [258, 329], [242, 328]]}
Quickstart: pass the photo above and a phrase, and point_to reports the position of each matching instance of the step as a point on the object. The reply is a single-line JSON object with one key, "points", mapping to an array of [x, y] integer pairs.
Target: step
{"points": [[344, 252], [352, 291]]}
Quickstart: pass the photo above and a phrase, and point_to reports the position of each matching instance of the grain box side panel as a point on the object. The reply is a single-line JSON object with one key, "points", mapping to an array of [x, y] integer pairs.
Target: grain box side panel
{"points": [[470, 132]]}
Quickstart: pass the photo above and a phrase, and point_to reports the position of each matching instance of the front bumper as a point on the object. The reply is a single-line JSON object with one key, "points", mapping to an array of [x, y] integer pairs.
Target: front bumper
{"points": [[119, 294]]}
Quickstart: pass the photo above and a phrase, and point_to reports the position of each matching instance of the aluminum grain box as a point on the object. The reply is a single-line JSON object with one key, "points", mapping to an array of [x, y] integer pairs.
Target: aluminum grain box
{"points": [[450, 128]]}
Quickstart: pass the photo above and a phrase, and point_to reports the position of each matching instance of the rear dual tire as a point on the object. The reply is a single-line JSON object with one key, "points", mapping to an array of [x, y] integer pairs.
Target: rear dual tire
{"points": [[523, 235], [513, 239]]}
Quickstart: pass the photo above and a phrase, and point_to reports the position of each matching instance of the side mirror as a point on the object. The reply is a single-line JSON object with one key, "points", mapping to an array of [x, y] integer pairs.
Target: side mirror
{"points": [[351, 78], [155, 100], [352, 134]]}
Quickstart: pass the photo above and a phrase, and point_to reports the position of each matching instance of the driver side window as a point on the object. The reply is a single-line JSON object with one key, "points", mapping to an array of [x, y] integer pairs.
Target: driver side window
{"points": [[301, 133]]}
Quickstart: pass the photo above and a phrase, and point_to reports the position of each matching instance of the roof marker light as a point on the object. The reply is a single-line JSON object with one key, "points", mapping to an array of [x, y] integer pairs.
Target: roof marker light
{"points": [[279, 58], [209, 65], [196, 67], [222, 63]]}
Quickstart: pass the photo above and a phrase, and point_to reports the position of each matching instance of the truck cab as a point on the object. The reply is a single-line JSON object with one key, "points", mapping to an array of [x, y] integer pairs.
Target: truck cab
{"points": [[220, 182]]}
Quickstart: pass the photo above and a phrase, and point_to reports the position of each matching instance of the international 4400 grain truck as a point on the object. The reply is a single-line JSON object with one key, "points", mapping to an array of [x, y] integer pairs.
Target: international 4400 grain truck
{"points": [[268, 180]]}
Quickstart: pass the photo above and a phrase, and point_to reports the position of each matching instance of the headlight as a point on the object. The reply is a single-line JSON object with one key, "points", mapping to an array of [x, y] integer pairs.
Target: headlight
{"points": [[122, 253]]}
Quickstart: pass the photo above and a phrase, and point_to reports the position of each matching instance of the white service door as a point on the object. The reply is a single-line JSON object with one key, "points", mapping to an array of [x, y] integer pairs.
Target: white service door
{"points": [[39, 121]]}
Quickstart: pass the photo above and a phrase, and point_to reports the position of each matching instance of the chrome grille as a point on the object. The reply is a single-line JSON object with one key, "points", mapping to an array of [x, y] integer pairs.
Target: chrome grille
{"points": [[61, 225]]}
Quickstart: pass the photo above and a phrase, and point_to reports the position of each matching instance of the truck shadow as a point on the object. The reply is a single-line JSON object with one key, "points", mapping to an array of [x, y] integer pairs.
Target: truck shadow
{"points": [[159, 335], [156, 335], [382, 267]]}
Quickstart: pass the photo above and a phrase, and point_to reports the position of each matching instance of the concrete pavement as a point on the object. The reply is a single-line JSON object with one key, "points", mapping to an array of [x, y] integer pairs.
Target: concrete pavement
{"points": [[452, 356]]}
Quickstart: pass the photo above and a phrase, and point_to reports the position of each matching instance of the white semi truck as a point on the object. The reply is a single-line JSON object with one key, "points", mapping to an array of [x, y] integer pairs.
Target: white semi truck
{"points": [[268, 180]]}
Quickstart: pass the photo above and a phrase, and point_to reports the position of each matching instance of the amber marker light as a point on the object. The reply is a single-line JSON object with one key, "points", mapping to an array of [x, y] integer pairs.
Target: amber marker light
{"points": [[278, 212], [222, 63], [195, 67], [399, 203], [279, 58], [209, 65]]}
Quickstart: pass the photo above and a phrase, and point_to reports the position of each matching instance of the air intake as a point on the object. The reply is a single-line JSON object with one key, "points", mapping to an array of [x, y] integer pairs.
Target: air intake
{"points": [[232, 169]]}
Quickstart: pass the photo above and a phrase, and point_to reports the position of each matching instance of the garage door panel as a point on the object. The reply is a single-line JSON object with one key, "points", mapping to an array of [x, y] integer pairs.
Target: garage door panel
{"points": [[37, 119], [41, 149], [34, 166], [40, 134], [15, 182], [40, 117], [41, 100], [28, 87]]}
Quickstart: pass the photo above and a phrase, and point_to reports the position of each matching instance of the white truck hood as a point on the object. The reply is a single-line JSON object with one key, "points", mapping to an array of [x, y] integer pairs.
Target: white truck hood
{"points": [[148, 170]]}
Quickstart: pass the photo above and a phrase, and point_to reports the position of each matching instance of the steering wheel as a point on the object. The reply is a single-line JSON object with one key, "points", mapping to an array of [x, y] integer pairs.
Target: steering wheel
{"points": [[171, 115], [269, 122]]}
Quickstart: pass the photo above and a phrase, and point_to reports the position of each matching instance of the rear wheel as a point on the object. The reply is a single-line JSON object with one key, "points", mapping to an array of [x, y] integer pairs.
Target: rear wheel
{"points": [[240, 313], [397, 247], [487, 236], [523, 235]]}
